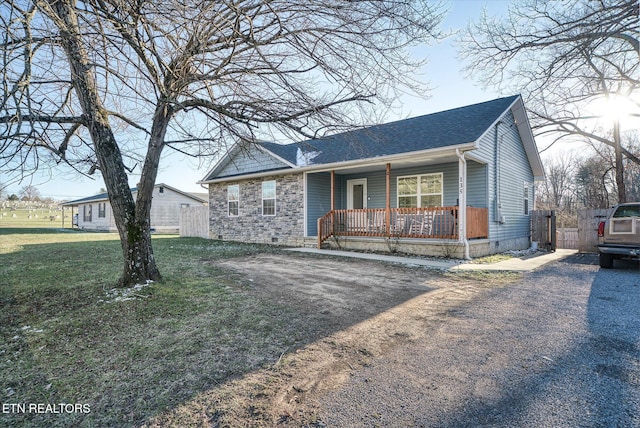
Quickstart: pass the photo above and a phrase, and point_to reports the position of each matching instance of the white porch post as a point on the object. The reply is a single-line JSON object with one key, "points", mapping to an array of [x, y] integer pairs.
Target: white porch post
{"points": [[462, 202], [387, 205]]}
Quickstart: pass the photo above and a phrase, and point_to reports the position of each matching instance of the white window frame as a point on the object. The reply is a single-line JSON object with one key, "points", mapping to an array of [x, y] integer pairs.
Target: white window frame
{"points": [[264, 183], [419, 193], [230, 201]]}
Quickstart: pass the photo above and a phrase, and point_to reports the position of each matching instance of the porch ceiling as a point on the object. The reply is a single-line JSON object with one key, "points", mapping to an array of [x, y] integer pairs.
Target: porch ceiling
{"points": [[437, 158]]}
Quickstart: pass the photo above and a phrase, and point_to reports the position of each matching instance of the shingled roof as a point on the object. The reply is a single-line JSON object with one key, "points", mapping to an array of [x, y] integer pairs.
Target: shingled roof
{"points": [[447, 128], [460, 127], [105, 196]]}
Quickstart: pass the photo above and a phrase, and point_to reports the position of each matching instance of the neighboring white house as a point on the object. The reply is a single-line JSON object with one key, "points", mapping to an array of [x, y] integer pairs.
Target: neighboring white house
{"points": [[94, 212]]}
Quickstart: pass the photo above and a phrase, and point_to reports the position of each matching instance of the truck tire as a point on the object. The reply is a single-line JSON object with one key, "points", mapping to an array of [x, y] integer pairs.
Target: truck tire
{"points": [[606, 261]]}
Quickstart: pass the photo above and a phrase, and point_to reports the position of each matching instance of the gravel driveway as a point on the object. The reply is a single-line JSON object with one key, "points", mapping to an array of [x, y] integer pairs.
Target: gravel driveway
{"points": [[561, 348]]}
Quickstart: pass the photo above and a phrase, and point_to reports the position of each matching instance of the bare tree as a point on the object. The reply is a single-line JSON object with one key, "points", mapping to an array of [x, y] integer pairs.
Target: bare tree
{"points": [[30, 193], [595, 183], [107, 85], [563, 56], [632, 171], [557, 190]]}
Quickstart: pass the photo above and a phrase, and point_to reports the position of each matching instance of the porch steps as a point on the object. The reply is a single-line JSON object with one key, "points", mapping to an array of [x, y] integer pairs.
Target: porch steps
{"points": [[310, 242]]}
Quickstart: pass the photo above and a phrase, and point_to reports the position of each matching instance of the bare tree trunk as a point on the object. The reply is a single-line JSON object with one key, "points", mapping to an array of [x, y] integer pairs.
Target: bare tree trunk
{"points": [[622, 191], [136, 243], [132, 221]]}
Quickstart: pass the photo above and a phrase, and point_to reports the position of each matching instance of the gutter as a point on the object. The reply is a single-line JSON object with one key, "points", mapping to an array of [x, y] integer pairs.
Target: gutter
{"points": [[346, 164], [462, 202]]}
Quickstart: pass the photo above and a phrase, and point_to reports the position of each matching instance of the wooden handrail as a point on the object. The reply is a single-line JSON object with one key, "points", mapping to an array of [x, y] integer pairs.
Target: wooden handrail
{"points": [[426, 222], [325, 228]]}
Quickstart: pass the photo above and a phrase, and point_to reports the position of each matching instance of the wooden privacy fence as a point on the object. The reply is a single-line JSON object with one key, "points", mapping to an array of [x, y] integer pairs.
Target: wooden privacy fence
{"points": [[567, 237], [543, 229], [194, 221], [588, 228]]}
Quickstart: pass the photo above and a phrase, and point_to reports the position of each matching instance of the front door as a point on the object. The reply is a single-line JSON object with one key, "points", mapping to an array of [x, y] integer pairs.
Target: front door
{"points": [[357, 194]]}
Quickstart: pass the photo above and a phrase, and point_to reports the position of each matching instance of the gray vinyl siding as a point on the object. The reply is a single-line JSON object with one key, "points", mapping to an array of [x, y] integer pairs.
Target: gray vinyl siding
{"points": [[376, 188], [318, 199], [513, 170], [248, 161], [477, 185]]}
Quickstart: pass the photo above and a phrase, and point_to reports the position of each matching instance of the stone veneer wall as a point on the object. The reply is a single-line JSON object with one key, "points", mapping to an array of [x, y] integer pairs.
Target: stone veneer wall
{"points": [[285, 228]]}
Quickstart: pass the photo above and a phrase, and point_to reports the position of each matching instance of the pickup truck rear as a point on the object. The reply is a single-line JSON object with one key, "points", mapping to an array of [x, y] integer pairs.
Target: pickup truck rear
{"points": [[619, 234]]}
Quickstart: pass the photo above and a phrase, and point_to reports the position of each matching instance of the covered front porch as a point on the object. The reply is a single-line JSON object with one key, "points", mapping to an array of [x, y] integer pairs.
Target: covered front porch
{"points": [[420, 200]]}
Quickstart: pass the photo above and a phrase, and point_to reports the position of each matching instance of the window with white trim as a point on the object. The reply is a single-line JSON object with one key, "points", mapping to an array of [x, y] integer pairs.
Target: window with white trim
{"points": [[269, 198], [233, 199], [525, 197], [420, 191], [102, 210]]}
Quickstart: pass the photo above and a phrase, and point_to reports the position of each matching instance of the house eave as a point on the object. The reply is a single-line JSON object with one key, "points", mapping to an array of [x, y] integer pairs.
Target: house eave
{"points": [[382, 160], [336, 166]]}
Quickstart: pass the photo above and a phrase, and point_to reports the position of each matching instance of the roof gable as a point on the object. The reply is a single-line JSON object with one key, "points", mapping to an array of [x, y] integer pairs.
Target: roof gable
{"points": [[247, 158]]}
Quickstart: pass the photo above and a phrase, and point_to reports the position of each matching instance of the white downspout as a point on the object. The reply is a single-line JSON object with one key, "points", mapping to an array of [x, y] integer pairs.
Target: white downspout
{"points": [[462, 202]]}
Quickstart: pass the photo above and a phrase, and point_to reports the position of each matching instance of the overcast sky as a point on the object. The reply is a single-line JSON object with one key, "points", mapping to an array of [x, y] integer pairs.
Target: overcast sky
{"points": [[443, 73]]}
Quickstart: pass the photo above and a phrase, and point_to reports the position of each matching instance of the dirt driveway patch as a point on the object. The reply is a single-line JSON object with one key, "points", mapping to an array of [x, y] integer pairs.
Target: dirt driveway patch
{"points": [[346, 289], [355, 310]]}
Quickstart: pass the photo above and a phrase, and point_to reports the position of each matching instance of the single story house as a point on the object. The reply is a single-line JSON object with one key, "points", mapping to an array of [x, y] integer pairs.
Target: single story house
{"points": [[94, 212], [456, 183]]}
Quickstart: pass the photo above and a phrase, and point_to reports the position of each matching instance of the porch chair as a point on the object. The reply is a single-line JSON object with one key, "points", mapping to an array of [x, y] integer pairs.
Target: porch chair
{"points": [[426, 225], [443, 224], [377, 222], [398, 227]]}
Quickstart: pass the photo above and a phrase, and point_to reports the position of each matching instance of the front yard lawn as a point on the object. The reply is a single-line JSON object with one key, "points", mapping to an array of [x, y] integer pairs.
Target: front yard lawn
{"points": [[234, 335], [66, 339]]}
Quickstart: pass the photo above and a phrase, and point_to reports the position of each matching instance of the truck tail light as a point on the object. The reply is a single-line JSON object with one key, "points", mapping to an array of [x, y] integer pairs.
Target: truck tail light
{"points": [[601, 229]]}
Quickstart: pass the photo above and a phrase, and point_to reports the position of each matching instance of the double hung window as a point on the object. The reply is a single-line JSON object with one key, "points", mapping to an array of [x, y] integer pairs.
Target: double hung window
{"points": [[420, 191], [269, 198], [233, 199]]}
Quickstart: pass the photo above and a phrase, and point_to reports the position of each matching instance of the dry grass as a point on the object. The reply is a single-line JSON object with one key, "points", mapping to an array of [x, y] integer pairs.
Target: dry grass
{"points": [[63, 338], [63, 341]]}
